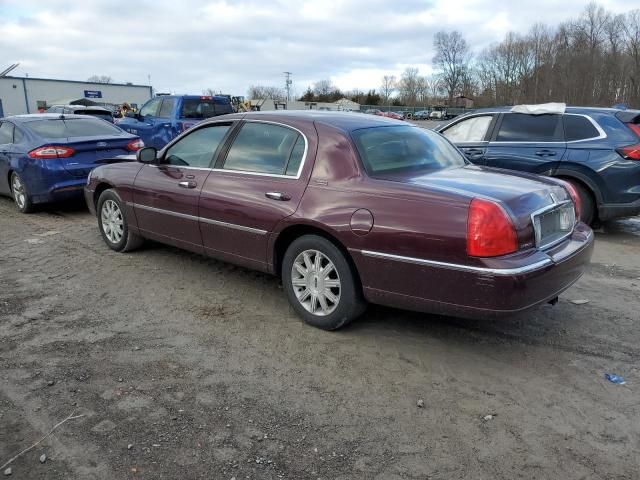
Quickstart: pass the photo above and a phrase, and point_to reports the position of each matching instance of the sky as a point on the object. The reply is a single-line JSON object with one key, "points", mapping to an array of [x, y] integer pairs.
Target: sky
{"points": [[186, 46]]}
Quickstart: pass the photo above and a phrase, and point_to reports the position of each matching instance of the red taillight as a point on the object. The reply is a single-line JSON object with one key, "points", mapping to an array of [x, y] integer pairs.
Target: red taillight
{"points": [[489, 230], [50, 151], [135, 145], [631, 152], [573, 193]]}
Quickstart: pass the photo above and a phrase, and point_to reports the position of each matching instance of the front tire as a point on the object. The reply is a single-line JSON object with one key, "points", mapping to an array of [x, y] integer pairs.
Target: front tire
{"points": [[320, 283], [113, 224], [20, 195]]}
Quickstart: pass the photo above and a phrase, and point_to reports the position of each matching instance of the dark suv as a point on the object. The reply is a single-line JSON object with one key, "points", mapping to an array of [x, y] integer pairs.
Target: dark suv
{"points": [[596, 149]]}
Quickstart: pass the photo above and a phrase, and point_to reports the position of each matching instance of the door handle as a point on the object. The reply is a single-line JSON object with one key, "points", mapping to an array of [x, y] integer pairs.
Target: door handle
{"points": [[473, 151], [283, 197], [188, 184], [546, 153]]}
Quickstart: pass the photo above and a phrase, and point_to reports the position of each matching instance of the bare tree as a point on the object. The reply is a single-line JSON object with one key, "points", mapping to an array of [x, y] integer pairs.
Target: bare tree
{"points": [[387, 87], [451, 60], [100, 79], [263, 92], [210, 92], [323, 87], [408, 86]]}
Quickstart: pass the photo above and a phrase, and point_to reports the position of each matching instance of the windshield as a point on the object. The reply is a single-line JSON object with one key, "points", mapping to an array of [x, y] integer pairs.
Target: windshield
{"points": [[203, 108], [72, 127], [404, 148]]}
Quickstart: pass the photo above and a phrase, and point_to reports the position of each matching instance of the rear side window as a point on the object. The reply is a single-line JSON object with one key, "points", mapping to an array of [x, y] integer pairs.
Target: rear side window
{"points": [[72, 127], [577, 127], [472, 129], [265, 148], [518, 127], [6, 133], [204, 107]]}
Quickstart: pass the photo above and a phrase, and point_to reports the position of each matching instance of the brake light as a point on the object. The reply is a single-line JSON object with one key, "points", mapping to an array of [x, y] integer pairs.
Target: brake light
{"points": [[573, 193], [135, 145], [51, 151], [206, 97], [631, 152], [489, 230]]}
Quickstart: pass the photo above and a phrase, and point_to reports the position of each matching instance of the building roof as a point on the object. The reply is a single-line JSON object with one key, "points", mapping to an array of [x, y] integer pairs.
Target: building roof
{"points": [[78, 81]]}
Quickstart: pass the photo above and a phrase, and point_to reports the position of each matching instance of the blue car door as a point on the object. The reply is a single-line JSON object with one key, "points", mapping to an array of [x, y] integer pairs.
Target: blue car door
{"points": [[471, 135], [528, 143], [6, 151], [164, 127], [144, 124]]}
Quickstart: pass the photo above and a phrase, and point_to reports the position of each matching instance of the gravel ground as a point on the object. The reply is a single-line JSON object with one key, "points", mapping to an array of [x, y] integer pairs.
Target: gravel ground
{"points": [[184, 367]]}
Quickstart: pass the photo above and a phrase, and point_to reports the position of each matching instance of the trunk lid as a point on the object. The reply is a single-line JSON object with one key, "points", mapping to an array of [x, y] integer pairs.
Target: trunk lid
{"points": [[523, 195], [89, 151]]}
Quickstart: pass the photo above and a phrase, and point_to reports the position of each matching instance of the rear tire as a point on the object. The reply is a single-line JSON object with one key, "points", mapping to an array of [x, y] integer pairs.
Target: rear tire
{"points": [[20, 195], [587, 203], [114, 225], [320, 283]]}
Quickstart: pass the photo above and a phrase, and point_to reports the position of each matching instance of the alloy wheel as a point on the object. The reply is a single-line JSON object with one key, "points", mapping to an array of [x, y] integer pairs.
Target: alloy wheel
{"points": [[112, 221], [19, 194], [316, 282]]}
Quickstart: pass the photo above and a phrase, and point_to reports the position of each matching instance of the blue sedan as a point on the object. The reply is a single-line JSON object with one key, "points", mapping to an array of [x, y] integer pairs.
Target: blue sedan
{"points": [[47, 157]]}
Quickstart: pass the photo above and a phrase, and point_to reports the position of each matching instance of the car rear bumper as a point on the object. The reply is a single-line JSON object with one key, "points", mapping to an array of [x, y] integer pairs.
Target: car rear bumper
{"points": [[503, 286], [618, 210]]}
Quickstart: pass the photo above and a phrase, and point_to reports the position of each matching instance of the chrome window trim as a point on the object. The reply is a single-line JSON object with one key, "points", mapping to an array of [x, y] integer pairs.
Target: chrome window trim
{"points": [[536, 227], [456, 266], [199, 219], [271, 175], [168, 165]]}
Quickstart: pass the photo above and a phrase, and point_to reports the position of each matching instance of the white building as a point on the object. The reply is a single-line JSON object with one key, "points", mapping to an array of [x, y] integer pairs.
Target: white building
{"points": [[26, 95]]}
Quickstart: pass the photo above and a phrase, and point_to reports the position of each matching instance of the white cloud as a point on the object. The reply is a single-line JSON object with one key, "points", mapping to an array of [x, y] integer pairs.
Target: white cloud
{"points": [[190, 45]]}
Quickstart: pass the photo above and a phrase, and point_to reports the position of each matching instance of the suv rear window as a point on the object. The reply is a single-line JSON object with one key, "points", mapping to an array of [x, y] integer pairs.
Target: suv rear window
{"points": [[577, 127], [519, 127], [404, 148], [72, 127], [204, 107]]}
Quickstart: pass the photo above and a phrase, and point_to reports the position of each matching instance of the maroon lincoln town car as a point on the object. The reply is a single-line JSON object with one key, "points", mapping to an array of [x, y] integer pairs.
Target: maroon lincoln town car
{"points": [[349, 208]]}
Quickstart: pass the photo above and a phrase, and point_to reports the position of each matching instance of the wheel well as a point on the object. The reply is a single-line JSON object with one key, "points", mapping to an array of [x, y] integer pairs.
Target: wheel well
{"points": [[99, 189], [289, 234], [587, 189]]}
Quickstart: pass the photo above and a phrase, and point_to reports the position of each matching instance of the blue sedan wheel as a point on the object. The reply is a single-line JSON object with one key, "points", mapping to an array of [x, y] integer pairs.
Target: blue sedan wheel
{"points": [[20, 195]]}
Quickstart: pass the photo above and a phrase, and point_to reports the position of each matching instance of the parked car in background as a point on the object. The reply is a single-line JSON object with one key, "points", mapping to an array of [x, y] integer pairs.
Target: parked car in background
{"points": [[350, 208], [375, 111], [163, 118], [421, 115], [46, 157], [597, 150], [405, 114], [394, 115], [94, 111]]}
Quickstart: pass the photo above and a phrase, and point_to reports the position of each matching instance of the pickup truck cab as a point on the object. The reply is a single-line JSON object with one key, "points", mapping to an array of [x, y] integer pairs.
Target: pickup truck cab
{"points": [[163, 118]]}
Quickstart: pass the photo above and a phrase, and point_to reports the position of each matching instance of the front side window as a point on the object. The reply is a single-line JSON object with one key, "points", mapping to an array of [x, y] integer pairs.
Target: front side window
{"points": [[72, 127], [519, 127], [6, 133], [198, 148], [266, 148], [166, 110], [404, 148], [472, 129], [150, 108]]}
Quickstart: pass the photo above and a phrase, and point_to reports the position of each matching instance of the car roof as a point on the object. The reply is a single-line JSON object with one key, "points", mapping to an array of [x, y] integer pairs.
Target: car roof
{"points": [[346, 121], [582, 110], [30, 117], [81, 107]]}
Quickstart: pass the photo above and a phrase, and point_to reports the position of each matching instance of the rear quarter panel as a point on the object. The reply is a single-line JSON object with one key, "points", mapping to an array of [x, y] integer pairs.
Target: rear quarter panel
{"points": [[119, 176]]}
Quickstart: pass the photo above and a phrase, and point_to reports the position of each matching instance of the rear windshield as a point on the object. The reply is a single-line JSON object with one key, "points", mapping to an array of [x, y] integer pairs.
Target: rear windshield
{"points": [[72, 127], [404, 148], [204, 108], [95, 113]]}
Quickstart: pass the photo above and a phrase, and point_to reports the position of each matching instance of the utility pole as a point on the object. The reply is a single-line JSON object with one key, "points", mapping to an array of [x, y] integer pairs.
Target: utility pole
{"points": [[287, 84]]}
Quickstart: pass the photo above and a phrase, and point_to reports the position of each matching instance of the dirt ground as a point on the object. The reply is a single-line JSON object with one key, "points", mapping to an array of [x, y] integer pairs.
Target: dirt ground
{"points": [[189, 368]]}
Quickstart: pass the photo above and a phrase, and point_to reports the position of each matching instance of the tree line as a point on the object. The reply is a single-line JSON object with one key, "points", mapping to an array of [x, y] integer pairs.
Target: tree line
{"points": [[592, 59]]}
